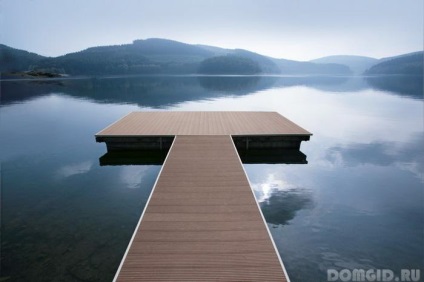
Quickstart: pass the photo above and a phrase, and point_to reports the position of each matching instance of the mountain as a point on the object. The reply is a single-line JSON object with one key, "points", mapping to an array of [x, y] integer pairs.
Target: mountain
{"points": [[229, 64], [162, 56], [148, 56], [218, 51], [158, 46], [12, 60], [407, 64], [266, 64], [399, 56], [357, 64], [282, 66], [290, 67]]}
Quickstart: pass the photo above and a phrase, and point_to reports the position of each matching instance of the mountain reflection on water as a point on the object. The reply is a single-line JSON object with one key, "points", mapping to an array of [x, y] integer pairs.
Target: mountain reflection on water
{"points": [[165, 91]]}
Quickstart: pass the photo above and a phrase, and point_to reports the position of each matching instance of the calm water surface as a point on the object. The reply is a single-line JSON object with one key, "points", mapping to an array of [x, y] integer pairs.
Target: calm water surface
{"points": [[358, 203]]}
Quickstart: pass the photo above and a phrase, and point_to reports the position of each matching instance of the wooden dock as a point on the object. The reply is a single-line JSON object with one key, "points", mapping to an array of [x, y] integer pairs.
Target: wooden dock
{"points": [[201, 222], [150, 130], [202, 123]]}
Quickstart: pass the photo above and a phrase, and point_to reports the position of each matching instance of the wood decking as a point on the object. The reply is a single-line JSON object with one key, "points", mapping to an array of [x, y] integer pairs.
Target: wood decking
{"points": [[202, 123], [150, 130], [202, 222]]}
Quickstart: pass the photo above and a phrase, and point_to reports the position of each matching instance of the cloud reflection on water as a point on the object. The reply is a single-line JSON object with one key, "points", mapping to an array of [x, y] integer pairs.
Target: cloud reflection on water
{"points": [[132, 176], [407, 156], [73, 169], [280, 200]]}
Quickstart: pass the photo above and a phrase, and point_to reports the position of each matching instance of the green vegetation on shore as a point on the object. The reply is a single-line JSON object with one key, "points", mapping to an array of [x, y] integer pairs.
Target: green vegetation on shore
{"points": [[30, 75]]}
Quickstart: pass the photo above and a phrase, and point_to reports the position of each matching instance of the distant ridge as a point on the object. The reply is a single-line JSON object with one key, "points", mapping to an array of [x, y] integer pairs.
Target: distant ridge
{"points": [[407, 64], [163, 56], [12, 59], [290, 67], [358, 64]]}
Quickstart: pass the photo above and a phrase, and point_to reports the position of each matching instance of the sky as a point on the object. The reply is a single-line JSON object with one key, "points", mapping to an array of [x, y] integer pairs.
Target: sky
{"points": [[290, 29]]}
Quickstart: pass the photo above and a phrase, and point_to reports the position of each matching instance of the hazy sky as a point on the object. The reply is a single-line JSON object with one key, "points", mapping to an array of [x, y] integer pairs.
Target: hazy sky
{"points": [[293, 29]]}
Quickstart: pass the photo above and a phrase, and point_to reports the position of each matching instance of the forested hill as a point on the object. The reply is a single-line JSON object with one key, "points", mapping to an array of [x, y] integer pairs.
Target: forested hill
{"points": [[291, 67], [229, 64], [409, 64], [150, 56], [17, 60], [357, 64], [161, 56]]}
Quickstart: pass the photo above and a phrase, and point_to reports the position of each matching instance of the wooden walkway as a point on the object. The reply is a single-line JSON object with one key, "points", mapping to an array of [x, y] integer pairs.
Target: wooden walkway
{"points": [[202, 222]]}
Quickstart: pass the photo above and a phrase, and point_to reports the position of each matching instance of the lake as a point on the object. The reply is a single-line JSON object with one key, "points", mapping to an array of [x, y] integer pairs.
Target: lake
{"points": [[357, 203]]}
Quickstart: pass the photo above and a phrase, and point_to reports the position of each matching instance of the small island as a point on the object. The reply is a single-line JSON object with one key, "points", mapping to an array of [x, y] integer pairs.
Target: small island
{"points": [[34, 74]]}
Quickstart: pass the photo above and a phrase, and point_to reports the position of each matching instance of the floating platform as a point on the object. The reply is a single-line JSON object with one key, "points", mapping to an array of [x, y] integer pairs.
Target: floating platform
{"points": [[202, 222], [156, 130], [247, 156]]}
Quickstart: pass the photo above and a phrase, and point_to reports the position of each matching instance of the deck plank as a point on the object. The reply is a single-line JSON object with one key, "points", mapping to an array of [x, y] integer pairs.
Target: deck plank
{"points": [[202, 123], [202, 222]]}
